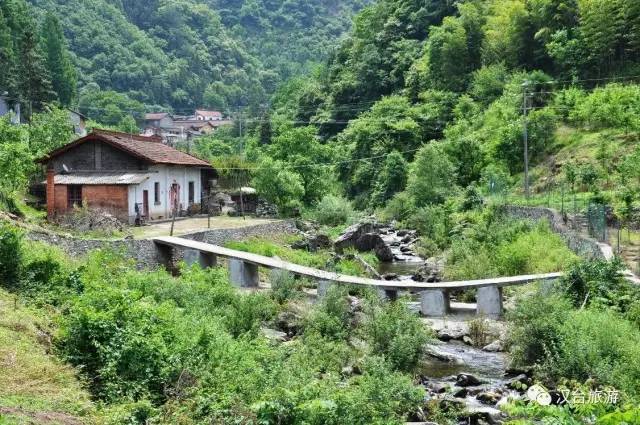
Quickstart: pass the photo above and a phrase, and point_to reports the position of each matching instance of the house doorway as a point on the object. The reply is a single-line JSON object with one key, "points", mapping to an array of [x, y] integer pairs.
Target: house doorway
{"points": [[174, 198], [145, 204]]}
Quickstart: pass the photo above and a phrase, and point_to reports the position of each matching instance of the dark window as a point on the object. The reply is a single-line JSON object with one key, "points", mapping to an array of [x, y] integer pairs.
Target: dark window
{"points": [[192, 192], [156, 193], [74, 195]]}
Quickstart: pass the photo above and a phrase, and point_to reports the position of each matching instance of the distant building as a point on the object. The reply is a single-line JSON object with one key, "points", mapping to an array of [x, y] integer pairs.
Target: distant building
{"points": [[79, 123], [173, 129], [12, 107], [203, 115], [132, 177]]}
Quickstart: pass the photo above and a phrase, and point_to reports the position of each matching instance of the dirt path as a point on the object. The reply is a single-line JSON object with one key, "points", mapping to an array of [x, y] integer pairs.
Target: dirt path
{"points": [[196, 224]]}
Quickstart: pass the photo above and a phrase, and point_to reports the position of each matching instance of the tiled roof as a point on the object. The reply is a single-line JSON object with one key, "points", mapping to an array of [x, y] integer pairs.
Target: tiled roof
{"points": [[149, 149], [155, 116], [88, 178], [216, 114]]}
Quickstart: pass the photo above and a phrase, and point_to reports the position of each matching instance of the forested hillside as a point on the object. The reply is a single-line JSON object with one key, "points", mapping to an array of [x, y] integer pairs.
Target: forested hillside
{"points": [[179, 55], [457, 72]]}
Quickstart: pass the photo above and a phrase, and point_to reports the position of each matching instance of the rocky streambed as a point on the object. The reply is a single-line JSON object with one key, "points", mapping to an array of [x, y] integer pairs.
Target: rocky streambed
{"points": [[458, 370]]}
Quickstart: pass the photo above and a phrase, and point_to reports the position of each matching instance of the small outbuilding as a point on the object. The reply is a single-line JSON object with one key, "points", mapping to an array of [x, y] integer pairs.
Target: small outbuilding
{"points": [[132, 177]]}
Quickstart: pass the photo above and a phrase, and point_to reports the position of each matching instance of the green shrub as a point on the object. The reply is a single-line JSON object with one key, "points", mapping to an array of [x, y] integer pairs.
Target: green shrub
{"points": [[331, 316], [398, 208], [333, 210], [596, 345], [593, 282], [536, 323], [575, 344], [536, 251], [395, 333], [10, 255], [284, 286], [121, 343]]}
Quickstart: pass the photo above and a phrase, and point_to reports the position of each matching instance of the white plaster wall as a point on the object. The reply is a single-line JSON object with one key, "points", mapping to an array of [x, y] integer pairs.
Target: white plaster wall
{"points": [[166, 175]]}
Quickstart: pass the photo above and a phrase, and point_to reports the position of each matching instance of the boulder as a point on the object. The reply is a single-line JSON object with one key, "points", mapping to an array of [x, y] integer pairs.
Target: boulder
{"points": [[495, 347], [519, 383], [489, 398], [460, 392], [274, 335], [350, 236], [438, 387], [383, 253], [467, 380], [313, 242]]}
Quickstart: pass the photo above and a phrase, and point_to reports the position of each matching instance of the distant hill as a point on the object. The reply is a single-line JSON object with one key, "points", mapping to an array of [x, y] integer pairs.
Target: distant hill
{"points": [[187, 53]]}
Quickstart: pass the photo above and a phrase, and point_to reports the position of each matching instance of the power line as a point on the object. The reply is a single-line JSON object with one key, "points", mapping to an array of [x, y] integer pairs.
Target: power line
{"points": [[319, 164]]}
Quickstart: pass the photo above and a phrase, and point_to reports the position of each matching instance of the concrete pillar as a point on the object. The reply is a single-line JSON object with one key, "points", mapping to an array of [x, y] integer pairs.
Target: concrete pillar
{"points": [[164, 256], [323, 287], [434, 303], [204, 259], [243, 274], [489, 299], [388, 294], [51, 193]]}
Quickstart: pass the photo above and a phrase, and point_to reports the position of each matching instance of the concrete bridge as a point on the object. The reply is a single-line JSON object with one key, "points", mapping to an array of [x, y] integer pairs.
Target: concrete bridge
{"points": [[435, 300]]}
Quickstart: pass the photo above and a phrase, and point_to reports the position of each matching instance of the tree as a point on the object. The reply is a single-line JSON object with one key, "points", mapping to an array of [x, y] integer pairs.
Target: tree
{"points": [[278, 185], [7, 59], [63, 74], [34, 84], [431, 177], [505, 33], [391, 180], [49, 130]]}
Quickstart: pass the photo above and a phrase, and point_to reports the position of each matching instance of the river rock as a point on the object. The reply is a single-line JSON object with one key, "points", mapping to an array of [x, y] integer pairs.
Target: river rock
{"points": [[456, 333], [438, 387], [519, 383], [350, 236], [488, 397], [467, 380], [274, 335], [460, 392], [390, 276], [495, 347]]}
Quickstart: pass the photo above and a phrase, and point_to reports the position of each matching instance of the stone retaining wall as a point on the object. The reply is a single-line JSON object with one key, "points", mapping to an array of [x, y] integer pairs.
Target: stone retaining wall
{"points": [[580, 244], [144, 250]]}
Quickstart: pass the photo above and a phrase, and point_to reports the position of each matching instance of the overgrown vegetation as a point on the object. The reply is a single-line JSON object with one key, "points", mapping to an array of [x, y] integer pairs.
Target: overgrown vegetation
{"points": [[583, 330], [190, 349]]}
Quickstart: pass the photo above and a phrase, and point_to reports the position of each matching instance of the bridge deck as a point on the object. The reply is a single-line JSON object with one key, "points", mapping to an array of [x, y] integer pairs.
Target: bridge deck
{"points": [[274, 263]]}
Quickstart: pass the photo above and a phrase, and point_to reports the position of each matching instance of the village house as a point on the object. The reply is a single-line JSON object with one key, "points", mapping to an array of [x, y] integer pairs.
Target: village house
{"points": [[203, 115], [174, 129], [132, 177]]}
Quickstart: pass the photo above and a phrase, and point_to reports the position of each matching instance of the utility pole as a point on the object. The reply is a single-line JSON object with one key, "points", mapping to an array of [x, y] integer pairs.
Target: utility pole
{"points": [[525, 109]]}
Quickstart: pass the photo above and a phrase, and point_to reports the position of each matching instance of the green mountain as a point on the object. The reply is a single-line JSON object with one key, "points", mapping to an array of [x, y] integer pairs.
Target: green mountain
{"points": [[182, 54]]}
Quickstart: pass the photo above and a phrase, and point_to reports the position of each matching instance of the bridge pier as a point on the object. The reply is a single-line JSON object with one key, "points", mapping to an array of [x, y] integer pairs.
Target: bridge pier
{"points": [[243, 274], [323, 288], [435, 303], [204, 259], [489, 301], [388, 294]]}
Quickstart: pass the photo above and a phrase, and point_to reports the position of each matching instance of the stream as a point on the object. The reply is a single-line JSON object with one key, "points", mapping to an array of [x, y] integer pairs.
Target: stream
{"points": [[450, 359]]}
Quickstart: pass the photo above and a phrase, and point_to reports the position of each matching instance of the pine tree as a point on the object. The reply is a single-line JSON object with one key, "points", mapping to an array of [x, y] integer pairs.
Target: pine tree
{"points": [[34, 84], [58, 63], [7, 70]]}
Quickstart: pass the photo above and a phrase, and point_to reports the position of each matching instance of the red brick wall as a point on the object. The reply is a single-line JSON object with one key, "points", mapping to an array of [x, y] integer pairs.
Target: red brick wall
{"points": [[60, 199], [51, 207], [114, 199]]}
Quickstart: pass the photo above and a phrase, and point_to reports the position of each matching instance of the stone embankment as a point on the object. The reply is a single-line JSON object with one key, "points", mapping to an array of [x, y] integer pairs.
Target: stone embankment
{"points": [[580, 244], [144, 250]]}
